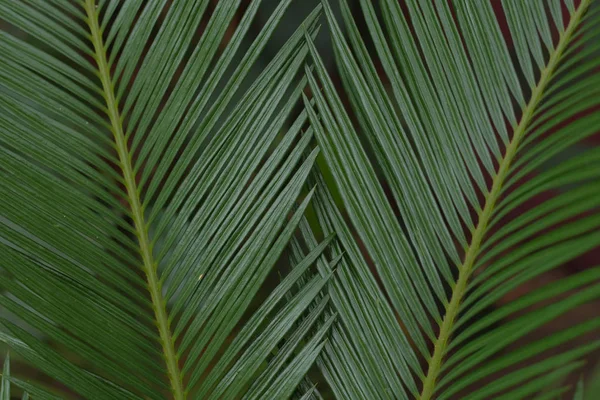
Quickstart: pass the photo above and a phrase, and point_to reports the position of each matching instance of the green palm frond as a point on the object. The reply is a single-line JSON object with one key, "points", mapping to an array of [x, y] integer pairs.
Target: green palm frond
{"points": [[146, 197], [458, 130], [154, 180]]}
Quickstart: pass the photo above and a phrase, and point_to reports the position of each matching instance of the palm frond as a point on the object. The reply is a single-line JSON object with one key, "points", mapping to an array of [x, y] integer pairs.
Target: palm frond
{"points": [[152, 178], [147, 199], [463, 145]]}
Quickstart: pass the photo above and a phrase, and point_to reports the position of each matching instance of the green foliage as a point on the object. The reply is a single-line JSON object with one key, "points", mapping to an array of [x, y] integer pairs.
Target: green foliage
{"points": [[434, 136], [153, 184], [143, 213]]}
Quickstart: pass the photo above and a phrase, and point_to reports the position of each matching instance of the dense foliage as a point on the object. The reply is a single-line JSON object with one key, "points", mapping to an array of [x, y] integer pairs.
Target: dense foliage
{"points": [[174, 224]]}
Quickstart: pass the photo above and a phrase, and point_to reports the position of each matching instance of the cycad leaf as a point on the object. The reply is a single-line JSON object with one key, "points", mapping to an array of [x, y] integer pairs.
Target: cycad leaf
{"points": [[463, 146], [152, 184], [144, 207]]}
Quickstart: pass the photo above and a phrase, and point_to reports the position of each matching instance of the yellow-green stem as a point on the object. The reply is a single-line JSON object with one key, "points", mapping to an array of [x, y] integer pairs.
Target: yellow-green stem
{"points": [[465, 270], [149, 265]]}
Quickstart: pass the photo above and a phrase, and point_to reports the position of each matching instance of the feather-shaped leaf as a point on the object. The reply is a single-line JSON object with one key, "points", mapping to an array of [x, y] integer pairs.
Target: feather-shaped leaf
{"points": [[146, 198], [463, 147]]}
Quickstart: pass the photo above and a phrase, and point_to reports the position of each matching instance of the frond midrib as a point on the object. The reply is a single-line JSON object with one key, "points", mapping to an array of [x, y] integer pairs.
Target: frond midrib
{"points": [[491, 199], [133, 197]]}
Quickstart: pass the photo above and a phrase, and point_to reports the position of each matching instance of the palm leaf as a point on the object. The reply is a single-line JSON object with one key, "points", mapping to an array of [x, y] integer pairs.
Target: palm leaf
{"points": [[147, 200], [151, 183], [464, 144]]}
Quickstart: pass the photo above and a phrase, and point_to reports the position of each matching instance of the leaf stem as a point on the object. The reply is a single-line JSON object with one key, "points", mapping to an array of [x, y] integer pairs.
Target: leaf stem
{"points": [[149, 265], [465, 270]]}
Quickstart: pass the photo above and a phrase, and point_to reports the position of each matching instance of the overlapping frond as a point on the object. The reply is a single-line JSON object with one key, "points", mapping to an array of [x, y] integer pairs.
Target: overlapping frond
{"points": [[146, 197], [464, 140]]}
